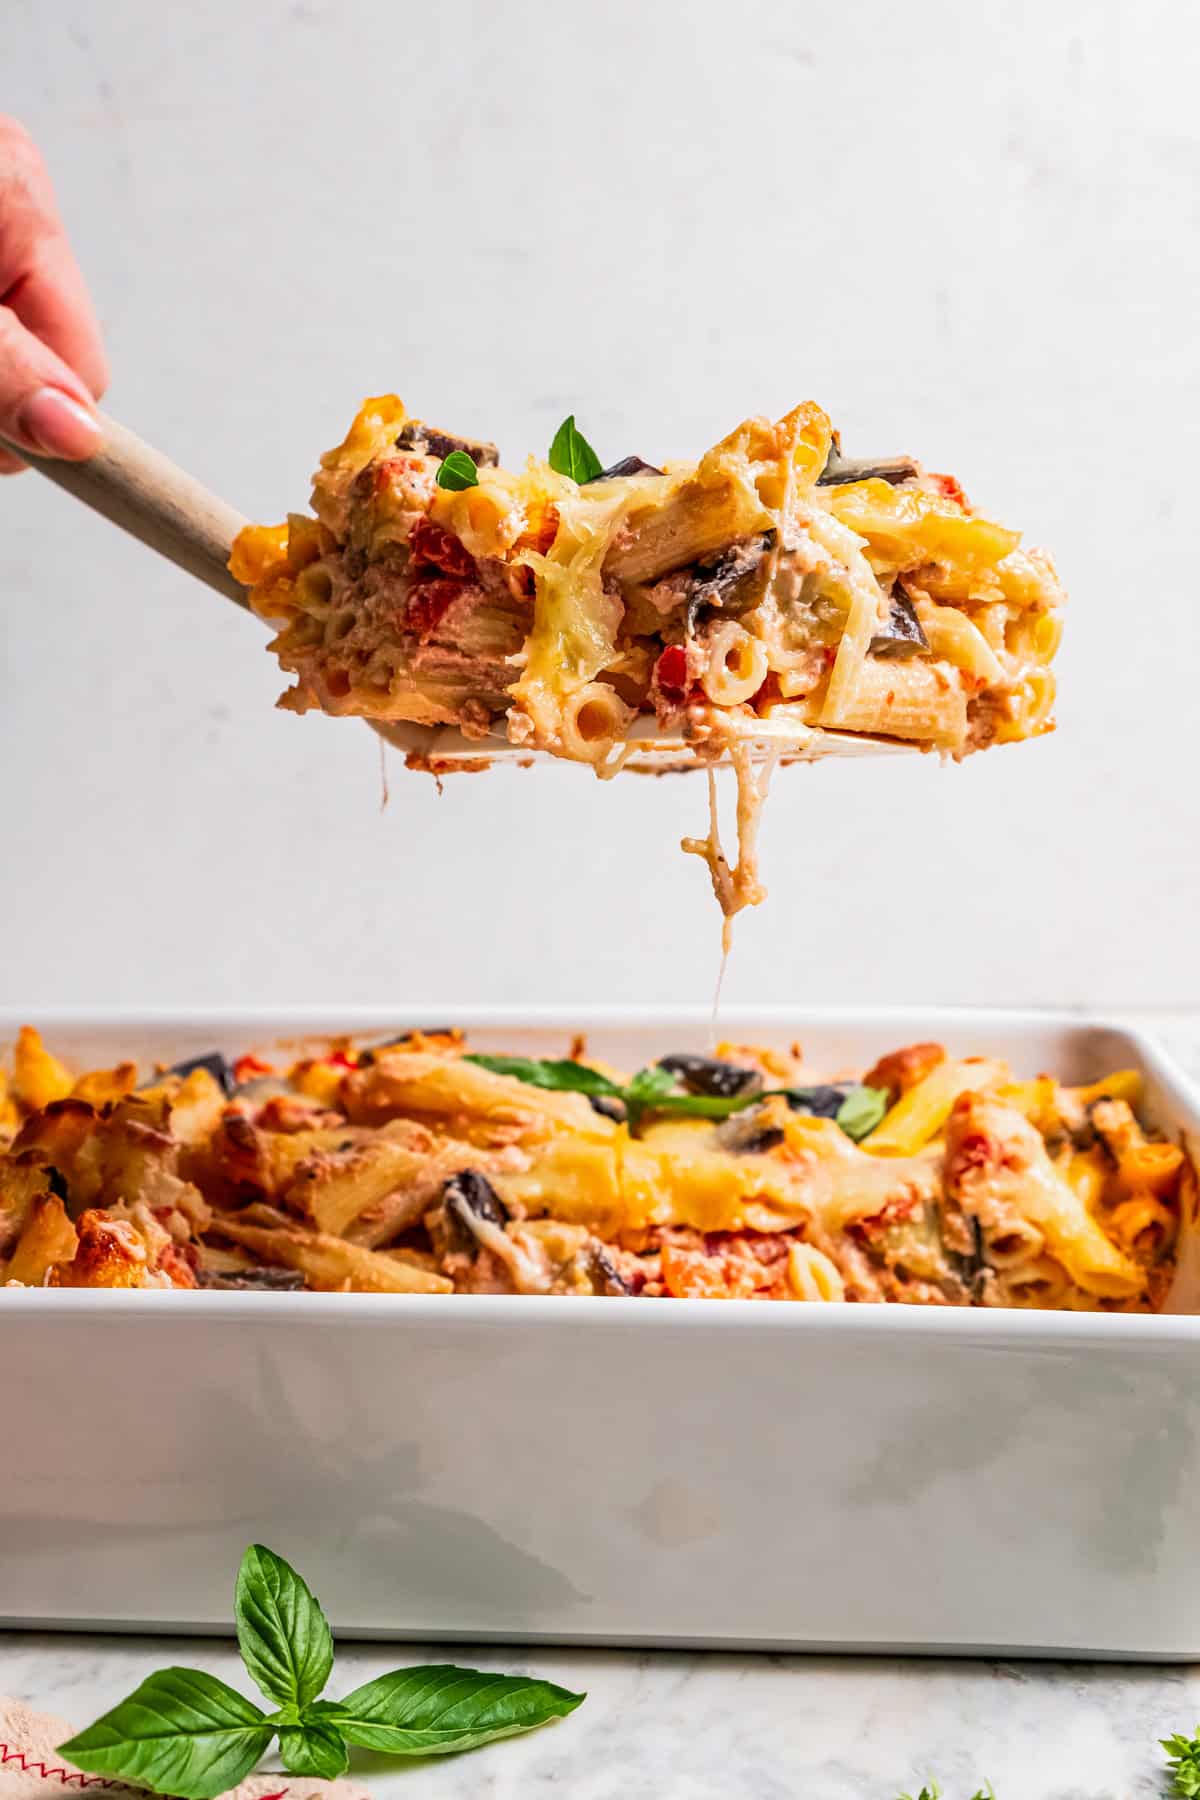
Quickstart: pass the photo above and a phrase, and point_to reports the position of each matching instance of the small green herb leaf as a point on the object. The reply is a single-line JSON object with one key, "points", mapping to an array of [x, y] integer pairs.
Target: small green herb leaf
{"points": [[651, 1085], [655, 1090], [283, 1635], [313, 1749], [566, 1077], [457, 472], [430, 1710], [1183, 1762], [651, 1090], [571, 454], [861, 1111], [933, 1792], [182, 1732]]}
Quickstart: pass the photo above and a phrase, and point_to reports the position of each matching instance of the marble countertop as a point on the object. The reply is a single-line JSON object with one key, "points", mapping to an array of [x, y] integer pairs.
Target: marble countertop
{"points": [[690, 1726], [696, 1724]]}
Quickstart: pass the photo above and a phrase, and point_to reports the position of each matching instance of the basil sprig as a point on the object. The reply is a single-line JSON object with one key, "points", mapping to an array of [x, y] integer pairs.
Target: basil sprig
{"points": [[283, 1635], [457, 471], [438, 1708], [571, 454], [186, 1733], [861, 1111], [655, 1090]]}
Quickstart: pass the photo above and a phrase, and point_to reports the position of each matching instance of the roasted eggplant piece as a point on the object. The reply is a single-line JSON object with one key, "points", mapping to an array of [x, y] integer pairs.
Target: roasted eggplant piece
{"points": [[840, 470], [216, 1065], [263, 1281], [367, 1057], [902, 636], [749, 1133], [628, 465], [602, 1271], [708, 1075], [609, 1107], [467, 1197], [716, 579], [422, 438], [823, 1102]]}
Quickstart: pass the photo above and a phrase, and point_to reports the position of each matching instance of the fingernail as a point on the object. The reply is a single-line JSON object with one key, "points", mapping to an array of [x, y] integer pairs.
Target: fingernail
{"points": [[59, 425]]}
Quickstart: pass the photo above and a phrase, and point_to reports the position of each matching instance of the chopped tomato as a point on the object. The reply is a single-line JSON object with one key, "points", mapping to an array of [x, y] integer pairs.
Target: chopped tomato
{"points": [[950, 486], [429, 602], [671, 670], [247, 1067], [340, 1060], [430, 544], [175, 1264]]}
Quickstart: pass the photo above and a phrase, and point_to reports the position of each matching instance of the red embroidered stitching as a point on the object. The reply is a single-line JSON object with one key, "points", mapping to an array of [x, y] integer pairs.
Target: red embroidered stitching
{"points": [[66, 1776]]}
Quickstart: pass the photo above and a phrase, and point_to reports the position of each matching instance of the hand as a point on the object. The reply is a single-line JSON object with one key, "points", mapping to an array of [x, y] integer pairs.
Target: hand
{"points": [[52, 363]]}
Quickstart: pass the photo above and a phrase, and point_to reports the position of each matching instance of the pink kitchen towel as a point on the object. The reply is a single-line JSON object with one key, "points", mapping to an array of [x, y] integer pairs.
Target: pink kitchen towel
{"points": [[31, 1767]]}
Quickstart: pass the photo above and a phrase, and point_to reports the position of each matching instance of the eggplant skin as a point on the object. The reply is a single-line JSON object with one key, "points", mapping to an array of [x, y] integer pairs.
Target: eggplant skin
{"points": [[216, 1065], [603, 1272], [609, 1107], [823, 1102], [840, 471], [465, 1196], [263, 1281], [706, 1075], [902, 636], [628, 465], [416, 435], [715, 579]]}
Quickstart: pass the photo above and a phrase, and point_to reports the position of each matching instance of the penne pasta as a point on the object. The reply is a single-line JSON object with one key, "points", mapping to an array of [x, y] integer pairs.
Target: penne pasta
{"points": [[422, 1167]]}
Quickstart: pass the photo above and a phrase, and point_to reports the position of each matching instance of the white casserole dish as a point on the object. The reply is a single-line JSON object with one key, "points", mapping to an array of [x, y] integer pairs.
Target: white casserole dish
{"points": [[616, 1471]]}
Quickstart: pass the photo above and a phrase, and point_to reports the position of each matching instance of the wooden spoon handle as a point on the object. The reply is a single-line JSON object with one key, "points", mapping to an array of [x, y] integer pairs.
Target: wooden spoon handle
{"points": [[143, 492]]}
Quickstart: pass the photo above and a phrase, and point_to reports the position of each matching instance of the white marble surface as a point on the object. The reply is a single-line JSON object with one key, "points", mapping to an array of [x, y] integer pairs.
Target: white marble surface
{"points": [[742, 1727], [689, 1726]]}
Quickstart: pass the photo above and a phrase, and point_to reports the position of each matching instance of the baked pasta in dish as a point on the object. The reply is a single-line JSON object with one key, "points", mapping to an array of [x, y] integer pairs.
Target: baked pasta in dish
{"points": [[418, 1166], [773, 582]]}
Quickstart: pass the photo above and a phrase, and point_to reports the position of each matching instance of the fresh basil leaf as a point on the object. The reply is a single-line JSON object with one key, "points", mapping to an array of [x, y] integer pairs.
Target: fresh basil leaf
{"points": [[650, 1090], [861, 1111], [283, 1635], [313, 1749], [457, 472], [656, 1090], [436, 1708], [571, 454], [567, 1077], [1183, 1763], [699, 1106], [181, 1733], [651, 1085]]}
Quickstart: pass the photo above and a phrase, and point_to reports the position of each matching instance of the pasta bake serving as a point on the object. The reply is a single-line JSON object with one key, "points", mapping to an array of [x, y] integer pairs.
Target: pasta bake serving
{"points": [[420, 1166], [772, 581]]}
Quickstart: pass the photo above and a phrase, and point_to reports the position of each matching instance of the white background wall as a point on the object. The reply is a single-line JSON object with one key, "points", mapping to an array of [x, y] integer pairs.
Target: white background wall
{"points": [[969, 231]]}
